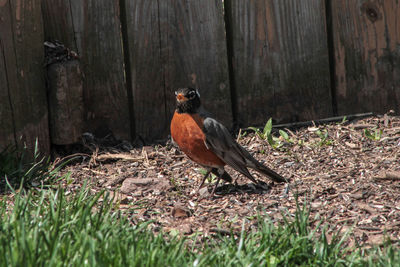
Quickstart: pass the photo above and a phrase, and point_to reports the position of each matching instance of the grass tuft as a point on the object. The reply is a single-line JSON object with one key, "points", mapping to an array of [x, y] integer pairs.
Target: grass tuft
{"points": [[47, 227], [18, 169]]}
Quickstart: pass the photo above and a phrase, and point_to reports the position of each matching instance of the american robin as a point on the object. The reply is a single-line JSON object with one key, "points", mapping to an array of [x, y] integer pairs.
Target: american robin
{"points": [[209, 143]]}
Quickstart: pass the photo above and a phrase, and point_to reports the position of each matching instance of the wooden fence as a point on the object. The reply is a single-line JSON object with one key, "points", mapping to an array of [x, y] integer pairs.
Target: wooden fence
{"points": [[23, 101], [287, 59]]}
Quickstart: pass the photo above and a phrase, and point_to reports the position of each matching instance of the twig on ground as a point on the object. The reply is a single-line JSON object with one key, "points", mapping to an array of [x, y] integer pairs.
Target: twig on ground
{"points": [[109, 156]]}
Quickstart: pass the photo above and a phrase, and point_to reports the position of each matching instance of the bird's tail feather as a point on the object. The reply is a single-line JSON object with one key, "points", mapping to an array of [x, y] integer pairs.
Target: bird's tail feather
{"points": [[270, 173]]}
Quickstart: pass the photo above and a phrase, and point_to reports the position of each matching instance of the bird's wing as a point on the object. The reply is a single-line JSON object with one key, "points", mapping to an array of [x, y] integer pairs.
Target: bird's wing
{"points": [[220, 141]]}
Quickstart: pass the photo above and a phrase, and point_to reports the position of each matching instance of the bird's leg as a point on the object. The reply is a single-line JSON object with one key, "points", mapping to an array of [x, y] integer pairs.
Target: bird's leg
{"points": [[216, 185], [254, 181], [220, 173], [204, 178]]}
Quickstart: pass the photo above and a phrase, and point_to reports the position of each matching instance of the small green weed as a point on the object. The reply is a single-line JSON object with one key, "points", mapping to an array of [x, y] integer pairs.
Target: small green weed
{"points": [[177, 184], [374, 134], [266, 134], [324, 136], [210, 178], [344, 120]]}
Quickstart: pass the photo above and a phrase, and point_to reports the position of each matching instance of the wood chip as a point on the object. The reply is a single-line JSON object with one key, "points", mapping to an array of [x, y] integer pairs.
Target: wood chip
{"points": [[132, 184], [351, 145], [180, 212], [366, 207], [394, 176]]}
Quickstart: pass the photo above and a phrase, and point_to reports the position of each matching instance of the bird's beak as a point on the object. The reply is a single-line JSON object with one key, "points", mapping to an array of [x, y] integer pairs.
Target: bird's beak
{"points": [[180, 97]]}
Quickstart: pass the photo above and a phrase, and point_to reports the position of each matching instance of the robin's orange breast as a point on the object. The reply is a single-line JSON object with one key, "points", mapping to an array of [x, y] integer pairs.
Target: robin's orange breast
{"points": [[186, 130]]}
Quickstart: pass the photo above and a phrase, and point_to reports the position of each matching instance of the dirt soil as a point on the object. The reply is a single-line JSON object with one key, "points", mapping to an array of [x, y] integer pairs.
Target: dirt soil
{"points": [[349, 174]]}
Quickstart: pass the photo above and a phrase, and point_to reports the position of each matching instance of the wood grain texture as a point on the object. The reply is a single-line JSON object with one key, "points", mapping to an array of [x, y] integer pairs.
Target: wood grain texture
{"points": [[93, 28], [280, 60], [176, 44], [367, 55], [59, 22], [65, 102], [146, 68], [103, 65], [21, 32], [7, 136]]}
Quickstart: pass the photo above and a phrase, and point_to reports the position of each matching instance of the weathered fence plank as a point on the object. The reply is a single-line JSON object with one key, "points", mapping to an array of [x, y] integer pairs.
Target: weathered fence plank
{"points": [[59, 23], [194, 52], [176, 44], [103, 65], [21, 35], [367, 55], [280, 60], [143, 39], [93, 28], [6, 115], [65, 102]]}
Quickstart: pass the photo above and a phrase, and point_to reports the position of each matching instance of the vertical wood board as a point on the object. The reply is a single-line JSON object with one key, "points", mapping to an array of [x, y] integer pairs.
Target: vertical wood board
{"points": [[65, 102], [176, 44], [59, 23], [146, 68], [103, 65], [280, 60], [93, 28], [6, 114], [194, 53], [23, 57], [367, 55]]}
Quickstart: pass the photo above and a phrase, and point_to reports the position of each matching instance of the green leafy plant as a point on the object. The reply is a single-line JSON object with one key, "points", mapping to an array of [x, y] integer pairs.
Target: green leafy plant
{"points": [[177, 184], [210, 178], [374, 134], [324, 136], [242, 134], [285, 136], [266, 134], [344, 120]]}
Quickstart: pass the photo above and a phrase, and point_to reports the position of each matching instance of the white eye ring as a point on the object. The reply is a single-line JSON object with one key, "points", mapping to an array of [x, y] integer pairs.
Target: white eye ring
{"points": [[191, 95]]}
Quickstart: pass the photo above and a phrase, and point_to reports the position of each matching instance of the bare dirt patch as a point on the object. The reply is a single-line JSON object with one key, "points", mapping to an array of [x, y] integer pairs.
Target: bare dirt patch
{"points": [[349, 174]]}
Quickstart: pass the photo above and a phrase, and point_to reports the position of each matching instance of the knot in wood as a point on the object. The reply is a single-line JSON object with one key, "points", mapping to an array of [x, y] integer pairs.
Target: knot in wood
{"points": [[371, 11]]}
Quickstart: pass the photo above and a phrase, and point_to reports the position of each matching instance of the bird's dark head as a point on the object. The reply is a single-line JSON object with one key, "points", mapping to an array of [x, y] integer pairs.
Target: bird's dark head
{"points": [[187, 100]]}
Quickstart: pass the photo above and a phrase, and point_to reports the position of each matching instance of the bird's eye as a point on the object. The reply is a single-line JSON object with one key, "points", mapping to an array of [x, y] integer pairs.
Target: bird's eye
{"points": [[191, 94]]}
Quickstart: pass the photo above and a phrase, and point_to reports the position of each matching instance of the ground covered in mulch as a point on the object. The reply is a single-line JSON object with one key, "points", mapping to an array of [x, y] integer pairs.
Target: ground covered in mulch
{"points": [[348, 174]]}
